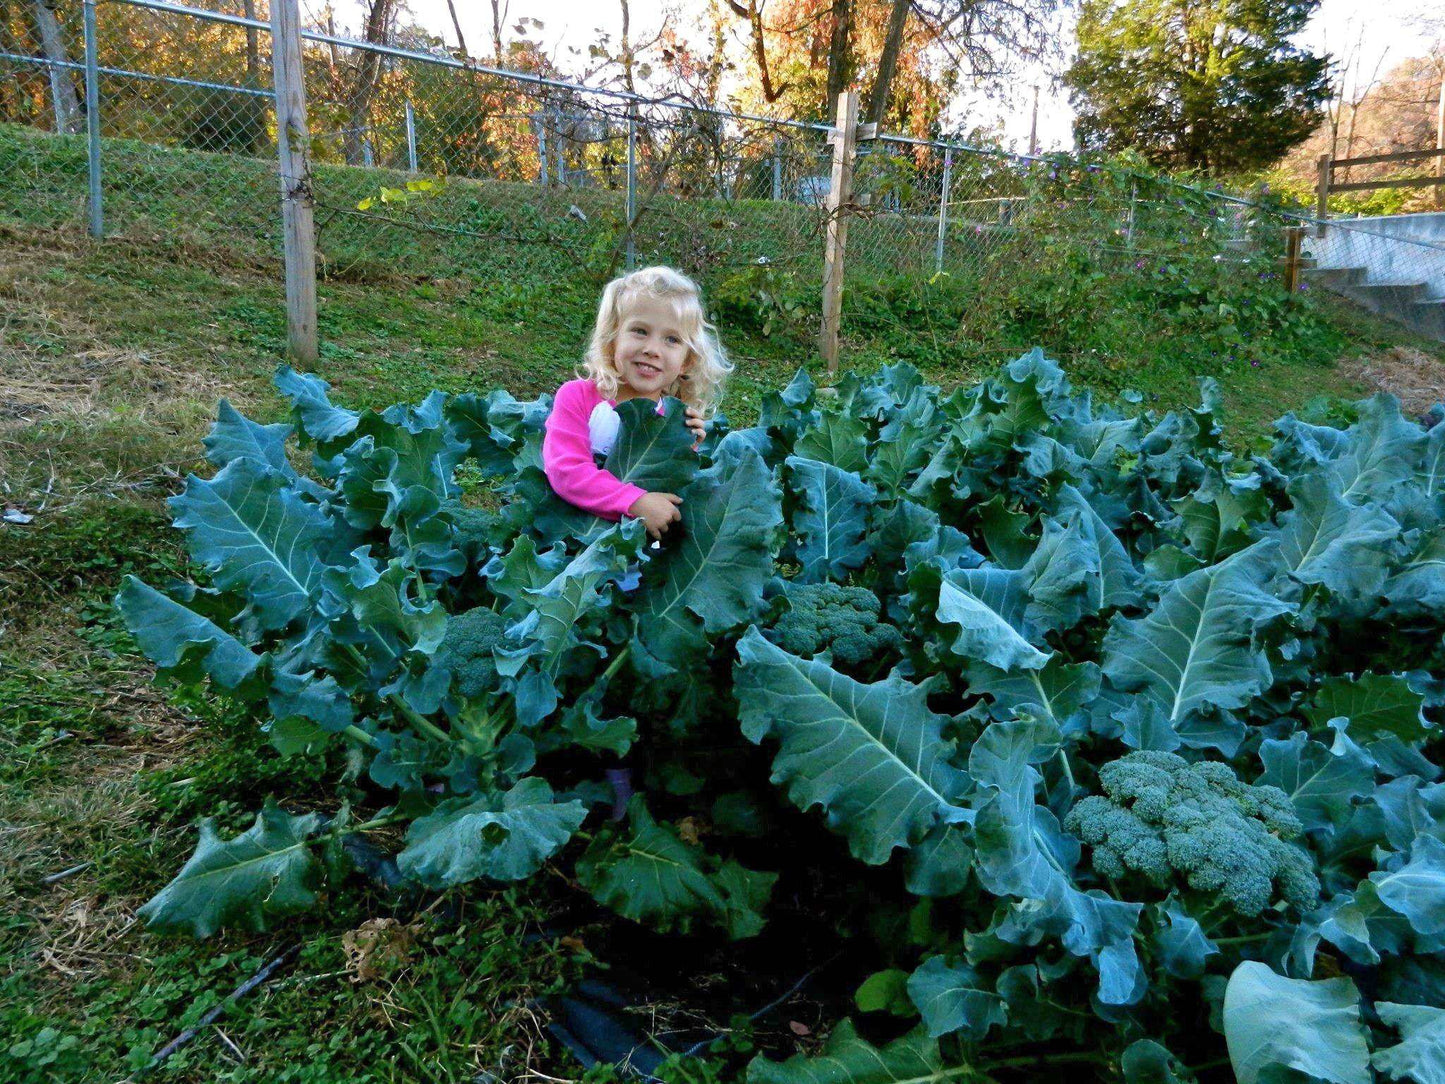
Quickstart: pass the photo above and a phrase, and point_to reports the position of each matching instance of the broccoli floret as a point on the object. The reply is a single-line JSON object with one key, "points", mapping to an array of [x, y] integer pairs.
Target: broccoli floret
{"points": [[473, 530], [832, 617], [466, 651], [1165, 819]]}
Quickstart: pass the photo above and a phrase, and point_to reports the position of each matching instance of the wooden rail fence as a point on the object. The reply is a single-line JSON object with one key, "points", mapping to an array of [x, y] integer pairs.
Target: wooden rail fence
{"points": [[1327, 164]]}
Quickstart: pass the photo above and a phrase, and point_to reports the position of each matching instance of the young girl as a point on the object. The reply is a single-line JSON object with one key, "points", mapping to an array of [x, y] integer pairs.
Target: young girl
{"points": [[651, 339]]}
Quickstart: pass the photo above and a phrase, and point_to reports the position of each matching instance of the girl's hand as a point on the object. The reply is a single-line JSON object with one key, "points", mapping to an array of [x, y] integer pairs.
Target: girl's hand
{"points": [[697, 425], [657, 511]]}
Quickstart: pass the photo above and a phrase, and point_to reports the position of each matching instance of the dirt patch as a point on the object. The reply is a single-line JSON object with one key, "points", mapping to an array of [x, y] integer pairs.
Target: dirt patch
{"points": [[1410, 374]]}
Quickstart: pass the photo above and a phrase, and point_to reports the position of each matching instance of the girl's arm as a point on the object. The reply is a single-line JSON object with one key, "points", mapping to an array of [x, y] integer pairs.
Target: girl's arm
{"points": [[567, 459]]}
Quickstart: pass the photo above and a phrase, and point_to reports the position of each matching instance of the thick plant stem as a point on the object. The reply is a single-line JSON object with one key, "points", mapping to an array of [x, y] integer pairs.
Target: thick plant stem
{"points": [[356, 734], [1068, 771], [419, 722], [615, 665], [1244, 940], [1042, 1059]]}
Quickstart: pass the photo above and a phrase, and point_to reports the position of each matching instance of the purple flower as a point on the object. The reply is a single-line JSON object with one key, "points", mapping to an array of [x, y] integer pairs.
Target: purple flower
{"points": [[1254, 365]]}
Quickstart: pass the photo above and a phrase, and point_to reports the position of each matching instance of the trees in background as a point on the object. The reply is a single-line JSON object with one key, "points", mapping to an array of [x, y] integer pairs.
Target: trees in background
{"points": [[908, 55], [1213, 85]]}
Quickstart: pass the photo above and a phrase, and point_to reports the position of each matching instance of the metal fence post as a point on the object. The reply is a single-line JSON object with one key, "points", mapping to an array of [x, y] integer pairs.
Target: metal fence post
{"points": [[1133, 202], [92, 122], [410, 137], [293, 152], [844, 138], [542, 166], [777, 169], [561, 154], [943, 209], [1326, 169], [631, 185]]}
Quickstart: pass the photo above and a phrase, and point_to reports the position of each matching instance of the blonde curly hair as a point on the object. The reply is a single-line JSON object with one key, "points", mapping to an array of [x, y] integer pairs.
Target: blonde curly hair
{"points": [[707, 365]]}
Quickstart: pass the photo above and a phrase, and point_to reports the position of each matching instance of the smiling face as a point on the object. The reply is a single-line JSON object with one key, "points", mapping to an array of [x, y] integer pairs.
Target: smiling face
{"points": [[651, 350]]}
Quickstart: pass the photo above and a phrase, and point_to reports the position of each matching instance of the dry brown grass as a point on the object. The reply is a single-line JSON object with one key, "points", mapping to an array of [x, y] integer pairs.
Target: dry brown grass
{"points": [[1410, 374], [75, 816], [78, 415]]}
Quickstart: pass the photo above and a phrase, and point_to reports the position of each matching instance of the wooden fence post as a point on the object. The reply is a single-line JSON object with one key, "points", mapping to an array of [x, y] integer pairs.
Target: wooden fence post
{"points": [[293, 151], [844, 138], [92, 122], [1325, 166], [1293, 237]]}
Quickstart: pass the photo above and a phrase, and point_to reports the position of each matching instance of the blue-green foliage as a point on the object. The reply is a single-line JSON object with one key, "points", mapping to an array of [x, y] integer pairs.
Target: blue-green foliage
{"points": [[1143, 734]]}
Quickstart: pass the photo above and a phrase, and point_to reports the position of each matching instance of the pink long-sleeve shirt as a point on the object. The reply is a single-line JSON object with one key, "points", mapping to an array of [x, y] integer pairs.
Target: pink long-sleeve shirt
{"points": [[567, 455]]}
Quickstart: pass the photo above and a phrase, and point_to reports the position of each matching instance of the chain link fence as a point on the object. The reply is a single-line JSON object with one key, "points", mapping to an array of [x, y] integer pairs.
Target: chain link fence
{"points": [[421, 162]]}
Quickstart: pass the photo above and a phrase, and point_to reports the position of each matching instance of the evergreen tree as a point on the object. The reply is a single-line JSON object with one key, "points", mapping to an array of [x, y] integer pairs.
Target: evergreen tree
{"points": [[1215, 85]]}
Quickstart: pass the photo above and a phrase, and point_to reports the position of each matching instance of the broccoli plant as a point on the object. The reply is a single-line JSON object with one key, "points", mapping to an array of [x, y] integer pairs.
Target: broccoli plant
{"points": [[1173, 822], [1246, 652], [839, 619]]}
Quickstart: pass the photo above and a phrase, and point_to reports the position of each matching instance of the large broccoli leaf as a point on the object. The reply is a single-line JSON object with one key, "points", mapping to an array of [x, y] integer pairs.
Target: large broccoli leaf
{"points": [[256, 536], [1375, 704], [1419, 1056], [1417, 888], [1276, 1027], [711, 579], [235, 436], [988, 605], [1326, 540], [846, 1058], [836, 438], [502, 837], [648, 874], [832, 518], [265, 873], [873, 756], [954, 997], [178, 639], [319, 419], [1023, 853], [1198, 648]]}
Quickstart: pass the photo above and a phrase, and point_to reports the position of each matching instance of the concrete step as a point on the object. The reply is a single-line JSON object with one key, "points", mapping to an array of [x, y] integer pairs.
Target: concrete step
{"points": [[1334, 278], [1407, 303], [1428, 318]]}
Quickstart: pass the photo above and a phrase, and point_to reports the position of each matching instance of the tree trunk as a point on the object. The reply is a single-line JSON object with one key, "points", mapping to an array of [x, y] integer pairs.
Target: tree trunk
{"points": [[840, 53], [753, 13], [497, 32], [887, 63], [253, 48], [62, 86], [627, 59], [1440, 135], [363, 85], [457, 26]]}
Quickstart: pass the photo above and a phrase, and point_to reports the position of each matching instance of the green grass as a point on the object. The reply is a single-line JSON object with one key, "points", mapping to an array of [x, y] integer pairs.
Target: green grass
{"points": [[112, 357]]}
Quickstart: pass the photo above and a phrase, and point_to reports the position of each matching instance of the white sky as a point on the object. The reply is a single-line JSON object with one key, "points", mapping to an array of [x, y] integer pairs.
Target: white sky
{"points": [[575, 24]]}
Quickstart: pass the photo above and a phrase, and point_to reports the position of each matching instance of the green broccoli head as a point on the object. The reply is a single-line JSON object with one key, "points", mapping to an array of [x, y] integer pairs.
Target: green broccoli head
{"points": [[1165, 819], [473, 531], [466, 651], [832, 617]]}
